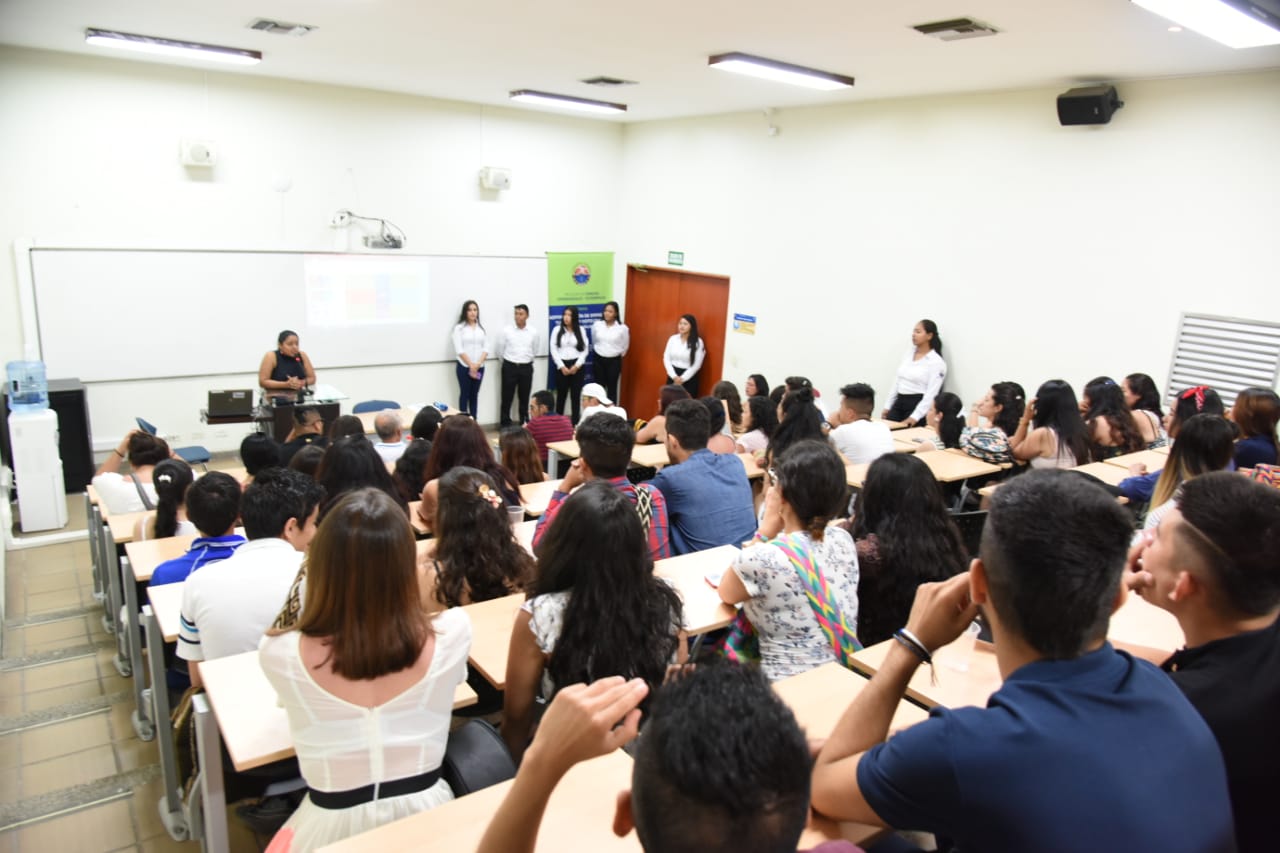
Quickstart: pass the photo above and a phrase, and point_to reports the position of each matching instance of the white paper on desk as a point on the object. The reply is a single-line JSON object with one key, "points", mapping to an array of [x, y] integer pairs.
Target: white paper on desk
{"points": [[714, 577]]}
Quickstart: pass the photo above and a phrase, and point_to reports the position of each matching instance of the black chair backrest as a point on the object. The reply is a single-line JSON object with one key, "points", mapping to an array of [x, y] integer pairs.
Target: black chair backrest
{"points": [[476, 758]]}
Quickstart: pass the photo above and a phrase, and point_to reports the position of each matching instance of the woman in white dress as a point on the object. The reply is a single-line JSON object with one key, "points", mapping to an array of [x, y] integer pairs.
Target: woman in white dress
{"points": [[920, 376], [764, 578], [683, 357], [366, 677]]}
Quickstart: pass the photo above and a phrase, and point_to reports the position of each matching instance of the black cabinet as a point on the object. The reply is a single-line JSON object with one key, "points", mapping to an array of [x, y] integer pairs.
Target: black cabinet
{"points": [[66, 397]]}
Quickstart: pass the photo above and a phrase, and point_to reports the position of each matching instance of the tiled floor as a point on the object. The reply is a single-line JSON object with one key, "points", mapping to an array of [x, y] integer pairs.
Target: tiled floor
{"points": [[73, 775]]}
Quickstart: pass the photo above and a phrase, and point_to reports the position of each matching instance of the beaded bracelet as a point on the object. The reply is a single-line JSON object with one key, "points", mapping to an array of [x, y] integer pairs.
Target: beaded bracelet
{"points": [[912, 643]]}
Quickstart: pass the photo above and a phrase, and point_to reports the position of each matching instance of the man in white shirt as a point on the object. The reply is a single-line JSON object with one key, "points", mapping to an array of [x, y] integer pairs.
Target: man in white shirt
{"points": [[853, 432], [596, 400], [227, 606], [517, 348], [390, 444]]}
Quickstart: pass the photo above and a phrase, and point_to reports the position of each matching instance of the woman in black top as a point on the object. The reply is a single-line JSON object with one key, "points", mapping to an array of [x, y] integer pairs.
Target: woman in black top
{"points": [[286, 371]]}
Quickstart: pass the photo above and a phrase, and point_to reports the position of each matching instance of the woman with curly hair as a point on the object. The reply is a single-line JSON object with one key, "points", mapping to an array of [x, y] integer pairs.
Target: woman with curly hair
{"points": [[409, 469], [1112, 427], [904, 537], [476, 555], [595, 610]]}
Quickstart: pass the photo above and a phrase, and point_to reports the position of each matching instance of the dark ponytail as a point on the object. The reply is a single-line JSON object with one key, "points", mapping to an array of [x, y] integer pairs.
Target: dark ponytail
{"points": [[172, 478], [935, 342]]}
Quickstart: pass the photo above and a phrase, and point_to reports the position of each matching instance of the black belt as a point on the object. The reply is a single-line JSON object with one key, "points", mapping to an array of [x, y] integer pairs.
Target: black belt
{"points": [[369, 793]]}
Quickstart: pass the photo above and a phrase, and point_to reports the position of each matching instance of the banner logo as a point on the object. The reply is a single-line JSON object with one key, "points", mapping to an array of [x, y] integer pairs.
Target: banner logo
{"points": [[581, 274]]}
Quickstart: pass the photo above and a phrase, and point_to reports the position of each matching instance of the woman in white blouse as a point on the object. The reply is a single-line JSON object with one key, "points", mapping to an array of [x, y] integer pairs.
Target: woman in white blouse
{"points": [[610, 339], [569, 354], [920, 376], [684, 355], [472, 349]]}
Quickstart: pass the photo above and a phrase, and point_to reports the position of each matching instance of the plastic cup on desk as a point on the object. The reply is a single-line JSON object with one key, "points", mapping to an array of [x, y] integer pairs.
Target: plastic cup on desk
{"points": [[957, 654], [515, 515]]}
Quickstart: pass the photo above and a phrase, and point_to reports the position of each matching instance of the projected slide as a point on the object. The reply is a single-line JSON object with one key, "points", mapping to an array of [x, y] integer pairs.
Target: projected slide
{"points": [[353, 290]]}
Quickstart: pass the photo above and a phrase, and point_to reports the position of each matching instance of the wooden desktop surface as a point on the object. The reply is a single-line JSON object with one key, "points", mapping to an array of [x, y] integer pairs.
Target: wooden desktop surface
{"points": [[754, 471], [954, 688], [415, 521], [703, 609], [1109, 474], [122, 524], [947, 466], [144, 556], [568, 449], [166, 604], [491, 623], [1145, 631], [536, 496], [1155, 460], [642, 455], [579, 816], [254, 727]]}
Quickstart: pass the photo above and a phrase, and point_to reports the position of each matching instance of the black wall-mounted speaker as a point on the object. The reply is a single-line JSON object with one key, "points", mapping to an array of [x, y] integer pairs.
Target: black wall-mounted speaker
{"points": [[1088, 105]]}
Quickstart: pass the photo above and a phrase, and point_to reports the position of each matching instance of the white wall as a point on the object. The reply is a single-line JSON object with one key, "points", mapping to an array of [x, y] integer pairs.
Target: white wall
{"points": [[1040, 251], [91, 159]]}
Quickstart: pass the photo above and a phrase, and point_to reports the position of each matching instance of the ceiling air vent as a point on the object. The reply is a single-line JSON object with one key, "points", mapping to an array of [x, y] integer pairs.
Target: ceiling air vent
{"points": [[956, 29], [608, 82], [280, 28]]}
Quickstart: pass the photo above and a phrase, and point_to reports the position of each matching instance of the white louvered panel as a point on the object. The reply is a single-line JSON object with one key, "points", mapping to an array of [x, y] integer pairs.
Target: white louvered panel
{"points": [[1226, 353]]}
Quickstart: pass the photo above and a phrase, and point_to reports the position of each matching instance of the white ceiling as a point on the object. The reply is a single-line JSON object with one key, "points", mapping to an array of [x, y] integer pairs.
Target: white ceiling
{"points": [[478, 50]]}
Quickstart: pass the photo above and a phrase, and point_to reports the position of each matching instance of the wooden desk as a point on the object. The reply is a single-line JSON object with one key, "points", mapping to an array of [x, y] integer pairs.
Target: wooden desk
{"points": [[415, 521], [703, 609], [895, 425], [754, 471], [1109, 474], [1155, 460], [555, 449], [579, 816], [536, 496], [947, 467], [910, 434], [649, 456], [491, 624], [955, 689], [166, 604], [146, 555], [122, 524], [93, 495], [1145, 631]]}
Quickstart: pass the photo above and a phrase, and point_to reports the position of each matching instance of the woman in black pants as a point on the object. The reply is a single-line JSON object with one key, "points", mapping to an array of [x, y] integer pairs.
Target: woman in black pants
{"points": [[610, 339], [569, 354]]}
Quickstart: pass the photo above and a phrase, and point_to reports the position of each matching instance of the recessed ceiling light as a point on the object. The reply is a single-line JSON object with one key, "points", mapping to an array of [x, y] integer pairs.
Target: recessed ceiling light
{"points": [[171, 47], [781, 72], [568, 102], [1234, 23]]}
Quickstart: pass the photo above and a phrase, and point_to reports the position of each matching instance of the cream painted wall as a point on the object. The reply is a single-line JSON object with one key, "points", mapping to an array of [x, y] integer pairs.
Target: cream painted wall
{"points": [[91, 159], [1040, 251]]}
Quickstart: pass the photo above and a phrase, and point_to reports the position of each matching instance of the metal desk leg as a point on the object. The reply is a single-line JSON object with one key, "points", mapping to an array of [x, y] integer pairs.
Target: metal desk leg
{"points": [[128, 598], [553, 463], [132, 634], [94, 521], [172, 814], [111, 574], [213, 796]]}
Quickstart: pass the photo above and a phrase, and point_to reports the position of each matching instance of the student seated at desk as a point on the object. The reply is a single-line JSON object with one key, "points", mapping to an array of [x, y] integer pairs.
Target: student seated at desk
{"points": [[1200, 399], [520, 455], [723, 767], [1113, 429], [351, 463], [366, 676], [307, 460], [476, 554], [425, 423], [213, 506], [345, 425], [708, 496], [1205, 444], [461, 441], [226, 609], [606, 446], [1001, 407], [858, 438], [905, 537], [257, 451], [798, 581], [596, 401], [390, 444], [596, 609], [1256, 413], [1082, 748], [798, 419], [136, 492], [946, 421], [654, 431], [759, 420], [410, 467], [1143, 398], [1051, 433], [545, 425], [719, 441], [308, 428], [1212, 564], [171, 478]]}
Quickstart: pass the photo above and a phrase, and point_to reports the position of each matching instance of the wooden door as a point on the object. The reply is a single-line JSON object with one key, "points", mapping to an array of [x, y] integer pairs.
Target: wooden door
{"points": [[656, 297]]}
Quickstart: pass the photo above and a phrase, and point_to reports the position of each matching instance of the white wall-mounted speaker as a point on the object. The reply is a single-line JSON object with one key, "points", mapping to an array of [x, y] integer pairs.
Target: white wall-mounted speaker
{"points": [[196, 152], [494, 178]]}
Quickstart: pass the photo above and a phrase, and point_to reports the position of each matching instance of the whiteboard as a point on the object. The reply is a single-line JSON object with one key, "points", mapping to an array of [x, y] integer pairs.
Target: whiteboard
{"points": [[121, 314]]}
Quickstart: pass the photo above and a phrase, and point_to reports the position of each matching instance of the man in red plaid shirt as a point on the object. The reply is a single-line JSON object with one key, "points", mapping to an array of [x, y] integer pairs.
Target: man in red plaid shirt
{"points": [[605, 442]]}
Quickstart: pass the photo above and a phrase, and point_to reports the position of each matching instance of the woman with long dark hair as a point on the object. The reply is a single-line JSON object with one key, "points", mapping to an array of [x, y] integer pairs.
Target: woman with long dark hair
{"points": [[610, 340], [759, 421], [1256, 412], [1051, 433], [461, 441], [470, 343], [756, 386], [683, 357], [1197, 400], [920, 376], [946, 421], [596, 609], [1205, 444], [905, 537], [520, 455], [366, 677], [476, 555], [1110, 424], [798, 419], [172, 478], [1143, 399], [727, 393], [1001, 407], [351, 463], [410, 467], [655, 429], [569, 355], [794, 538]]}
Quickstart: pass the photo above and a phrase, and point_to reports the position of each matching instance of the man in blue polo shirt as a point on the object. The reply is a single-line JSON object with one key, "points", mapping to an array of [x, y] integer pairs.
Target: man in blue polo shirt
{"points": [[1082, 748], [708, 495], [213, 505]]}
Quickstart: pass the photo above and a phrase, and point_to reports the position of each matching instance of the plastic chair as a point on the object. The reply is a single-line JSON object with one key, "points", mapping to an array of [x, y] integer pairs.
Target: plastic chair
{"points": [[194, 454], [374, 406]]}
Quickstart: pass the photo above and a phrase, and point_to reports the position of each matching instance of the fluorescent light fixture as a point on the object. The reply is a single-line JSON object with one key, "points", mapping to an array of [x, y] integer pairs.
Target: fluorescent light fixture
{"points": [[171, 47], [781, 72], [1221, 21], [567, 102]]}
